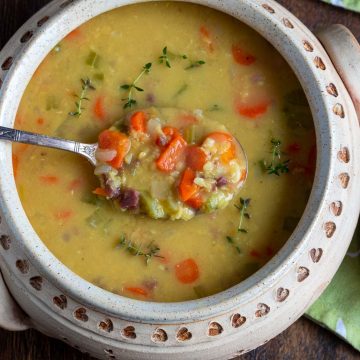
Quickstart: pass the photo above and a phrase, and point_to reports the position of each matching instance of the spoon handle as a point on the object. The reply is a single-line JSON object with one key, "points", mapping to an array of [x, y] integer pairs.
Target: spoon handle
{"points": [[86, 150]]}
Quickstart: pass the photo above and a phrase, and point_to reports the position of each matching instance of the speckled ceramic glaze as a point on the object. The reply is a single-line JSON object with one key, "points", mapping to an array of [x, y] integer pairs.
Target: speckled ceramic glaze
{"points": [[108, 326]]}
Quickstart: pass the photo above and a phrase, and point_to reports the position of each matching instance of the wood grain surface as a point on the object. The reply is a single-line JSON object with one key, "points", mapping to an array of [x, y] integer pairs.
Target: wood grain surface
{"points": [[303, 340]]}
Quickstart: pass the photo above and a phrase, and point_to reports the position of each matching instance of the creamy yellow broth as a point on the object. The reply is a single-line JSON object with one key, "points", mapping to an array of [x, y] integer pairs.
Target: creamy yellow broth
{"points": [[243, 84]]}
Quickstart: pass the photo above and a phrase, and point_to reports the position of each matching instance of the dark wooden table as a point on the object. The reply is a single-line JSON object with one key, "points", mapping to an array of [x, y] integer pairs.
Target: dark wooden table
{"points": [[303, 340]]}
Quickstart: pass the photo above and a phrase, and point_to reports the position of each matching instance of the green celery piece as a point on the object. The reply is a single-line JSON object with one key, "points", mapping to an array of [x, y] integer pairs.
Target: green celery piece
{"points": [[151, 206], [93, 59], [190, 134]]}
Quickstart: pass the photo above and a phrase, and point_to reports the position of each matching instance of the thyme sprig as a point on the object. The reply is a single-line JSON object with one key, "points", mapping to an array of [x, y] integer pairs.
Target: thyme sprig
{"points": [[130, 247], [243, 207], [233, 243], [276, 167], [86, 85], [168, 56], [129, 100]]}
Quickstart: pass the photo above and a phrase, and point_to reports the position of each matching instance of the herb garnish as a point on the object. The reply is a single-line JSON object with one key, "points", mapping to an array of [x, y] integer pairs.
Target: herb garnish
{"points": [[86, 86], [130, 101], [181, 90], [135, 250], [195, 64], [214, 107], [167, 56], [232, 242], [244, 204], [276, 167]]}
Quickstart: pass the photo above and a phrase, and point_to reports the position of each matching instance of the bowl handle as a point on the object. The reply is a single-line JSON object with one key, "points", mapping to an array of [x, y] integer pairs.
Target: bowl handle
{"points": [[344, 51], [12, 318]]}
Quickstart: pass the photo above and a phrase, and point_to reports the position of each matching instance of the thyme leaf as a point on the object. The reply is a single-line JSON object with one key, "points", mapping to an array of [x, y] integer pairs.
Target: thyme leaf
{"points": [[195, 64], [276, 166], [244, 204], [151, 250], [168, 56], [86, 85], [129, 100]]}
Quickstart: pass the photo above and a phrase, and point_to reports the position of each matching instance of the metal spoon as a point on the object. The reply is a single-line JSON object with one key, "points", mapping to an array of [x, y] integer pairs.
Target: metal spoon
{"points": [[86, 150]]}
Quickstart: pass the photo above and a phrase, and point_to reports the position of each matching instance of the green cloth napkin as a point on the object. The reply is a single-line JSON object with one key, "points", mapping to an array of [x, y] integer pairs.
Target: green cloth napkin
{"points": [[338, 308], [347, 4]]}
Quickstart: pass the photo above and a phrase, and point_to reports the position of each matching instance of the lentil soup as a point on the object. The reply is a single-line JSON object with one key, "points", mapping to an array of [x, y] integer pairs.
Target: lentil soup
{"points": [[165, 55]]}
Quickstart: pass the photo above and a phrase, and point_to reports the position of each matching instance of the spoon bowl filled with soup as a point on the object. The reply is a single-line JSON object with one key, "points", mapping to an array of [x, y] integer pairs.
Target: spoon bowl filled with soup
{"points": [[207, 154]]}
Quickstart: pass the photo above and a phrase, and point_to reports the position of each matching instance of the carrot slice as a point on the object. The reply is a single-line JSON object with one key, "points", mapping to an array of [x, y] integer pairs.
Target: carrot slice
{"points": [[196, 202], [137, 291], [187, 271], [230, 154], [187, 188], [115, 140], [172, 154], [170, 133], [99, 109], [252, 112], [138, 121], [75, 34], [195, 158], [63, 215], [100, 192], [15, 162], [40, 121], [242, 57], [206, 38], [49, 179]]}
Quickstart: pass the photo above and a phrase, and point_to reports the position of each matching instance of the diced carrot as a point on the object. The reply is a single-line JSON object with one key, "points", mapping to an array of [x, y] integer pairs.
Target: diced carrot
{"points": [[75, 184], [195, 158], [241, 56], [138, 121], [255, 253], [63, 215], [170, 133], [196, 202], [75, 34], [187, 188], [100, 192], [115, 140], [206, 38], [49, 179], [252, 112], [137, 291], [15, 162], [40, 121], [187, 271], [99, 109], [294, 148], [172, 154], [225, 137], [243, 174]]}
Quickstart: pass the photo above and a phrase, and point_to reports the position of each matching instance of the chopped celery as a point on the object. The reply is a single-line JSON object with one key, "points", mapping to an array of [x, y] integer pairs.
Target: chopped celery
{"points": [[92, 199], [151, 206], [93, 59], [171, 206], [99, 76], [52, 102], [190, 134]]}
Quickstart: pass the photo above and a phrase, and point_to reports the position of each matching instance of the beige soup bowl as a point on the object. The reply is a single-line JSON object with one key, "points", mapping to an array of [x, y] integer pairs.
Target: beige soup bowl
{"points": [[62, 305]]}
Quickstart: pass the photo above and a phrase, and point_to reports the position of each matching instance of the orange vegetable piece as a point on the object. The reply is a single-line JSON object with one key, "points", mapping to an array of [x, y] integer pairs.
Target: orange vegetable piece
{"points": [[99, 109], [222, 137], [137, 291], [100, 192], [252, 112], [170, 133], [138, 121], [74, 184], [187, 188], [115, 140], [242, 57], [15, 162], [187, 119], [49, 179], [187, 271], [195, 158], [172, 154], [63, 215], [196, 202], [206, 38], [75, 34], [40, 121]]}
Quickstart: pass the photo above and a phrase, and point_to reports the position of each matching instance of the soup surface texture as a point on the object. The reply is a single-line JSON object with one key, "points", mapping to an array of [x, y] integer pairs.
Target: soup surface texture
{"points": [[166, 55]]}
